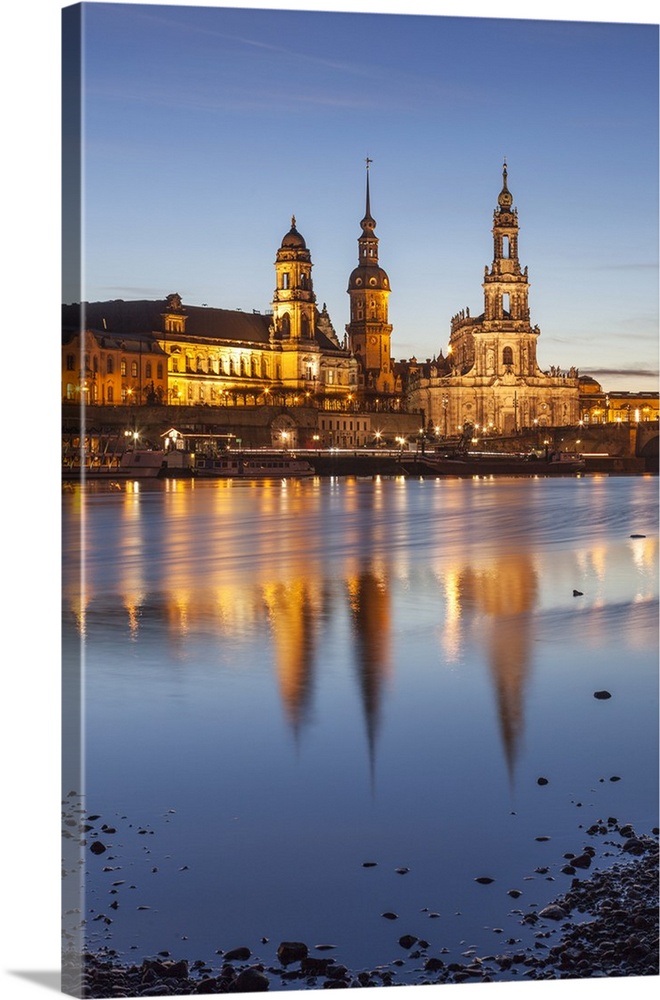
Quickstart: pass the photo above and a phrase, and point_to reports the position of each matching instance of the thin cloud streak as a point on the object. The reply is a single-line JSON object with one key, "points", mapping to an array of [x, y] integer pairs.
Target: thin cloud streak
{"points": [[635, 372]]}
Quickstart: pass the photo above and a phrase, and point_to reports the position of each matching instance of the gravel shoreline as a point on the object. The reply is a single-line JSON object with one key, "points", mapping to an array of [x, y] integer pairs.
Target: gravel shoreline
{"points": [[604, 925]]}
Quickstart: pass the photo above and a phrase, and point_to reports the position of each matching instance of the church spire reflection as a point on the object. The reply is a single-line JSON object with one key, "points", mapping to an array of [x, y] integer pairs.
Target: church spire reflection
{"points": [[505, 591], [370, 612], [292, 619]]}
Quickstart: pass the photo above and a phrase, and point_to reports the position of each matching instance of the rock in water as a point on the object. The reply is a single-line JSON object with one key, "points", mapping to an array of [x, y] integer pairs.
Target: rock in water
{"points": [[238, 955], [250, 981], [553, 912], [291, 951]]}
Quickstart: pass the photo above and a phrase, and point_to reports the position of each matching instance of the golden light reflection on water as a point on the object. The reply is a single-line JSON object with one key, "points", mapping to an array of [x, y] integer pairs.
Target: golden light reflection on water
{"points": [[283, 560]]}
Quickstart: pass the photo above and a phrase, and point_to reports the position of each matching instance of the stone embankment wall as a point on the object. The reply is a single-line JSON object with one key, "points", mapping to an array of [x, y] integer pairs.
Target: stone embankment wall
{"points": [[252, 424]]}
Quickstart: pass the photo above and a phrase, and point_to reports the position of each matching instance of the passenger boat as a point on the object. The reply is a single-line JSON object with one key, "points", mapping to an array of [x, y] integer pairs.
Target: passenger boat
{"points": [[240, 466], [138, 463]]}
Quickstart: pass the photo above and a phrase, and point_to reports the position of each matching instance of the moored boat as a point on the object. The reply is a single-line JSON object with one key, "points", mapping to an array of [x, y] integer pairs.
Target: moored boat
{"points": [[240, 466], [502, 463], [138, 463]]}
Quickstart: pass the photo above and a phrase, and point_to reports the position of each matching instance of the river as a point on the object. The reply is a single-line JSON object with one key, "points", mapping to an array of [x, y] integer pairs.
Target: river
{"points": [[309, 703]]}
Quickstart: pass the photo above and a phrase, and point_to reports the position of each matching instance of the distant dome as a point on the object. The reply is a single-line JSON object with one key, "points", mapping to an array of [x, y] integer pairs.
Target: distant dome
{"points": [[369, 278], [293, 240]]}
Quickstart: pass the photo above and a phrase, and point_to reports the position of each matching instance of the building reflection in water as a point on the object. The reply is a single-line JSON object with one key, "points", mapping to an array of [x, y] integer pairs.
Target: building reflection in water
{"points": [[293, 611], [231, 577], [504, 592], [369, 602]]}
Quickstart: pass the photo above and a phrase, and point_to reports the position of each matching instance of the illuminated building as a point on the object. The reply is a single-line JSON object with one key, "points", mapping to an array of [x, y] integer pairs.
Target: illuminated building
{"points": [[599, 407], [491, 377], [287, 356], [369, 332], [101, 368]]}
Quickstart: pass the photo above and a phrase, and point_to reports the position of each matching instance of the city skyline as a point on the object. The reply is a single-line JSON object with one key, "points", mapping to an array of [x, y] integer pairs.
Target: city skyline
{"points": [[192, 177]]}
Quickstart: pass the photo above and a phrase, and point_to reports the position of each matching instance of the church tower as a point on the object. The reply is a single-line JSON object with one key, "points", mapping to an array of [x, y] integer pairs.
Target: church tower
{"points": [[294, 302], [369, 331], [506, 288], [501, 341], [490, 381]]}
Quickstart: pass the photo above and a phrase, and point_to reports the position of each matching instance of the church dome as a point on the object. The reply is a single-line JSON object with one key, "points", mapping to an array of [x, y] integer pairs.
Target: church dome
{"points": [[293, 240], [369, 278]]}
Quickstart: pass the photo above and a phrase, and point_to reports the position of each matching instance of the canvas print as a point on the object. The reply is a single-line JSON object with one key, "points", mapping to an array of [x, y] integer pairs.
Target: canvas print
{"points": [[359, 500]]}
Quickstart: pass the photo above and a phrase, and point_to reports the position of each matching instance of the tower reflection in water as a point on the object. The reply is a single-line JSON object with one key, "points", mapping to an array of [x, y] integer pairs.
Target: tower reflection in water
{"points": [[232, 569]]}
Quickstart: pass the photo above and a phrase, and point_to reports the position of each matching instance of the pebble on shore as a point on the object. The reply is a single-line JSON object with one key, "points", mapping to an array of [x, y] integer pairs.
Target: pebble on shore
{"points": [[607, 925]]}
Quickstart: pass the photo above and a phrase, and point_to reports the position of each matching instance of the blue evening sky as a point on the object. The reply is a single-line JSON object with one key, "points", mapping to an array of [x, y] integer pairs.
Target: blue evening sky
{"points": [[208, 127]]}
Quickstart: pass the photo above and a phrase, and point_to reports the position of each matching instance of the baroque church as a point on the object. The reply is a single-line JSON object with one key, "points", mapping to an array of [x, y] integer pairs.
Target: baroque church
{"points": [[491, 379]]}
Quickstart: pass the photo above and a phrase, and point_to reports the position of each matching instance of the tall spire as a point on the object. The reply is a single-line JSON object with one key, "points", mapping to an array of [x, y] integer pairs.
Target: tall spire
{"points": [[505, 199], [368, 223]]}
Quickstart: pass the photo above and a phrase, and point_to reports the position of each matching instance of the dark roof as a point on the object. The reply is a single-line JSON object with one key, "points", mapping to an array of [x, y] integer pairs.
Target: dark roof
{"points": [[115, 316], [145, 317]]}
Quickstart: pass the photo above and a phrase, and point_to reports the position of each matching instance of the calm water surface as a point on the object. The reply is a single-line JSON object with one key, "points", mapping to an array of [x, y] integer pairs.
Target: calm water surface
{"points": [[284, 680]]}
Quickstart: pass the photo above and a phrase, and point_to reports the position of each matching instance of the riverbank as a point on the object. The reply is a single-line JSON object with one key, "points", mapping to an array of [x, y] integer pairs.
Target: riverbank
{"points": [[604, 925]]}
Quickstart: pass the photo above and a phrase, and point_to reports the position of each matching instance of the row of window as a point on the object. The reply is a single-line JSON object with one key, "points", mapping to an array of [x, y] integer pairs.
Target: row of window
{"points": [[218, 366], [92, 395], [110, 366], [337, 424]]}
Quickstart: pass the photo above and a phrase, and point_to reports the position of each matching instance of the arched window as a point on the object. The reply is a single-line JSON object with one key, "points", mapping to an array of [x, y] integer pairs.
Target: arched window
{"points": [[70, 362], [111, 394], [134, 369], [147, 370], [159, 370], [286, 326], [507, 356], [110, 366]]}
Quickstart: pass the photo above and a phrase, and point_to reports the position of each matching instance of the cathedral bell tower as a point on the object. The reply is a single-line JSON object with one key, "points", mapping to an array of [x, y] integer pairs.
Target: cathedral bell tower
{"points": [[506, 288], [294, 302], [500, 342], [369, 332]]}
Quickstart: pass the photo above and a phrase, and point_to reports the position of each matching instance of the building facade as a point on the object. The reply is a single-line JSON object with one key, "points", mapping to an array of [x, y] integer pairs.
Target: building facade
{"points": [[100, 368], [599, 407], [491, 378], [196, 355]]}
